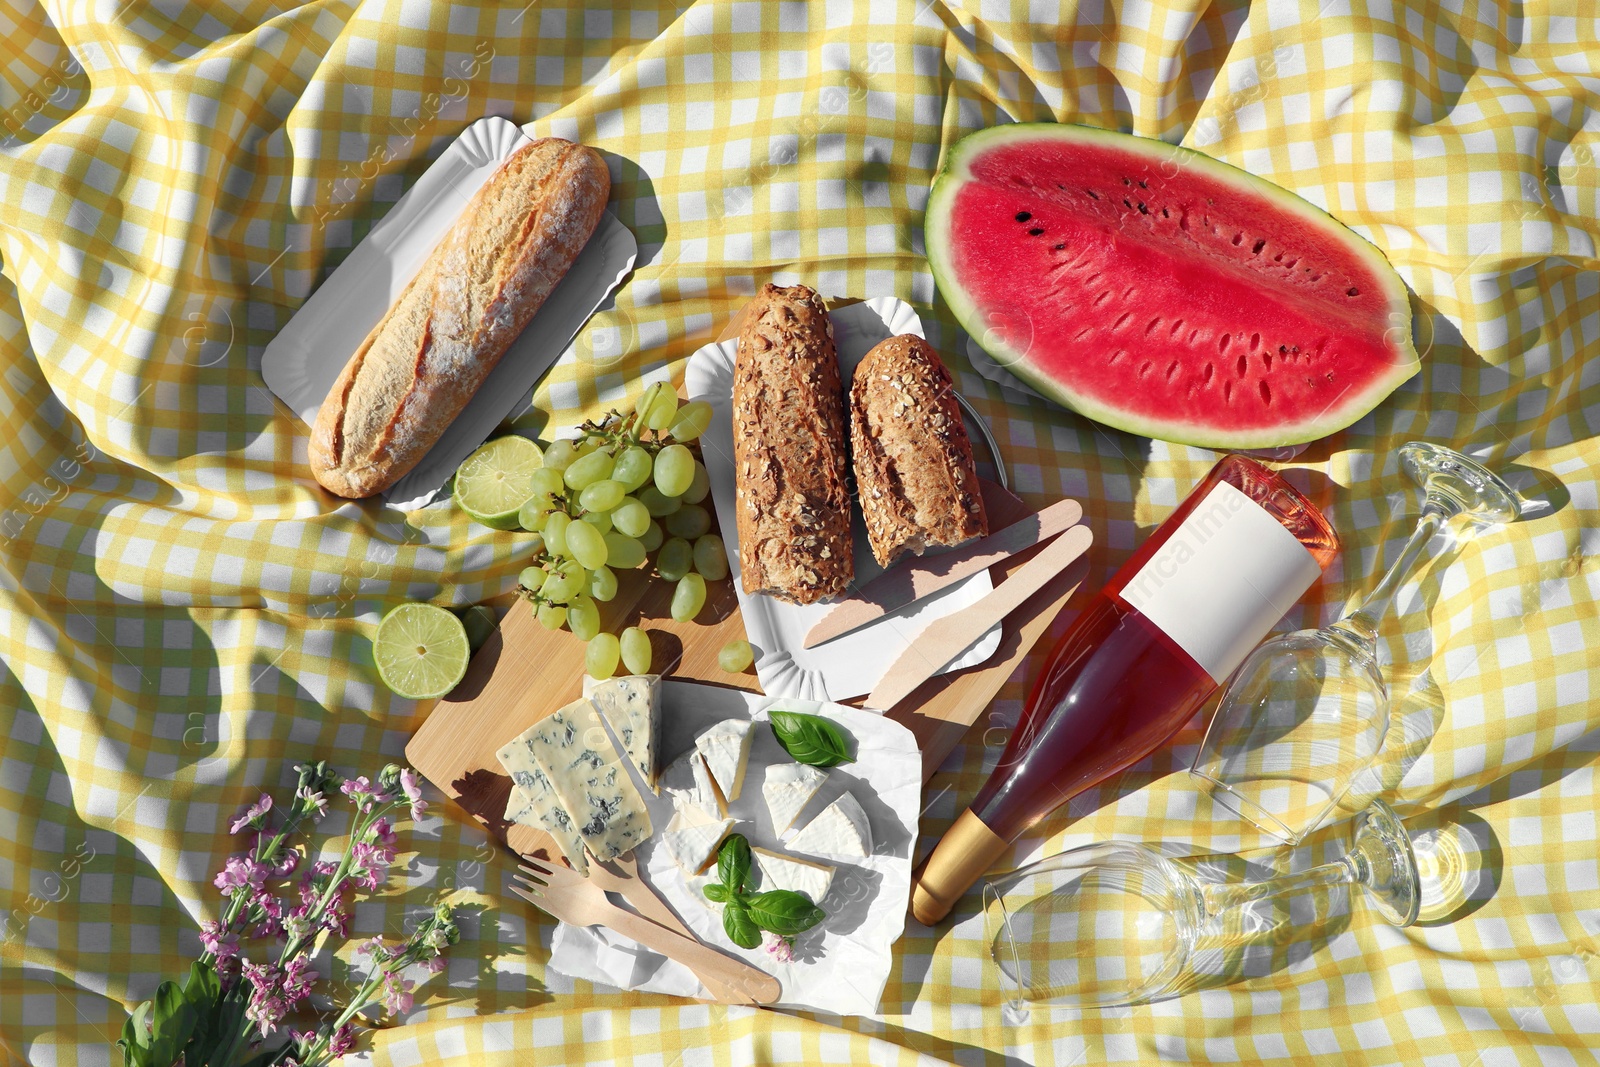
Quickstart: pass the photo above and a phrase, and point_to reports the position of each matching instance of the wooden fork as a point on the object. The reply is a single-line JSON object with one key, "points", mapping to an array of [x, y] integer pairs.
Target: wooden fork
{"points": [[572, 898]]}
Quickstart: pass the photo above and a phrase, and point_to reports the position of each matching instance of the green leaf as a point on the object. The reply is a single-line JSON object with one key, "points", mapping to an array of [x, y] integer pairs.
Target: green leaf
{"points": [[174, 1020], [717, 893], [784, 912], [733, 863], [739, 926], [202, 987], [132, 1042], [810, 738]]}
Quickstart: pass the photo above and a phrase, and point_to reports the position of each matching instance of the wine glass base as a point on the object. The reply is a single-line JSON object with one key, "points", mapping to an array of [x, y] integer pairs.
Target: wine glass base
{"points": [[1390, 876], [1473, 488]]}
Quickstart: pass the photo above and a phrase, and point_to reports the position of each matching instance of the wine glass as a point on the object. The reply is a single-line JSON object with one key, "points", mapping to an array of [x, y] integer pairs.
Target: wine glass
{"points": [[1308, 711], [1114, 923]]}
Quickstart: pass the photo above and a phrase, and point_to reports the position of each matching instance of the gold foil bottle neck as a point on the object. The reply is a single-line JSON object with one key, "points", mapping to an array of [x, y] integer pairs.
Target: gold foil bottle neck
{"points": [[960, 858]]}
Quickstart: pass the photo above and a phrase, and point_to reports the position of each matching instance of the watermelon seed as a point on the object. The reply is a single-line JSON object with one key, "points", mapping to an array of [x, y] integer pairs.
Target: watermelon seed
{"points": [[1127, 203], [1176, 326], [1211, 370], [1142, 185], [1262, 243], [1172, 370], [1092, 193], [1193, 334], [1126, 315], [1060, 247], [1144, 369], [1292, 262], [1266, 393], [1102, 298], [1034, 231], [1222, 342], [1278, 258], [1255, 341], [1023, 216], [1142, 209], [1165, 213], [1153, 324], [1227, 393], [1242, 366], [1237, 237], [1083, 333], [1118, 354], [1266, 360], [1352, 291], [1125, 181]]}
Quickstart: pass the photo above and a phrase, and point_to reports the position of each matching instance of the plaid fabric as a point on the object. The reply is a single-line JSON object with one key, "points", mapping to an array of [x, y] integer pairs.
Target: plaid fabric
{"points": [[183, 615]]}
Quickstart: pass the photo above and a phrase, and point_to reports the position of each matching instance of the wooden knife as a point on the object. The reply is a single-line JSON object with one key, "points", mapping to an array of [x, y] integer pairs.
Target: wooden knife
{"points": [[912, 580], [943, 641]]}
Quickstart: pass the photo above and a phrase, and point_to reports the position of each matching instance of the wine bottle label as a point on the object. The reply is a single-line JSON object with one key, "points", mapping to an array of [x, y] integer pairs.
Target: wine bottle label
{"points": [[1222, 579]]}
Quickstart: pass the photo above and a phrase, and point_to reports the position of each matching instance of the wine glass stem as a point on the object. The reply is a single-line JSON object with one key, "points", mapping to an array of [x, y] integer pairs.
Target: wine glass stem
{"points": [[1220, 897], [1363, 622]]}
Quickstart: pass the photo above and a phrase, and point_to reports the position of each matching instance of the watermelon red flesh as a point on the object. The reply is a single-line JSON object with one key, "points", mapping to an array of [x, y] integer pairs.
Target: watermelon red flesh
{"points": [[1154, 290]]}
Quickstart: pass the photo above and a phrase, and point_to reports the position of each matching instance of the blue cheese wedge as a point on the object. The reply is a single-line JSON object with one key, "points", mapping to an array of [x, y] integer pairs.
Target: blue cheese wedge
{"points": [[791, 872], [840, 830], [726, 748], [687, 781], [533, 803], [632, 707], [692, 838], [787, 790], [586, 775]]}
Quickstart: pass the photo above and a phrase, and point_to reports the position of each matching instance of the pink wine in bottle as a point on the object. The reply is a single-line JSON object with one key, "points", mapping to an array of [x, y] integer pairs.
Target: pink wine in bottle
{"points": [[1144, 655]]}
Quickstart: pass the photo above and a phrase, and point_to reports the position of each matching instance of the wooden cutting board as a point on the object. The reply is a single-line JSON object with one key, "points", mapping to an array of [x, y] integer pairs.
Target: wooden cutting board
{"points": [[524, 672]]}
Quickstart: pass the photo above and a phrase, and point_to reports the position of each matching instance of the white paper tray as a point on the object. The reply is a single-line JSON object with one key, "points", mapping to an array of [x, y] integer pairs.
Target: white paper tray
{"points": [[851, 665], [302, 362]]}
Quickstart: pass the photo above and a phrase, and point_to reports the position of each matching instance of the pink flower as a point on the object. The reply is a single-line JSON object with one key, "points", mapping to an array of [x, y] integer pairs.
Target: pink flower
{"points": [[782, 948], [255, 816], [412, 787], [342, 1041], [298, 978], [285, 864], [218, 940], [315, 804], [435, 965], [239, 873], [271, 918], [369, 864], [397, 998], [360, 792], [381, 832], [374, 947]]}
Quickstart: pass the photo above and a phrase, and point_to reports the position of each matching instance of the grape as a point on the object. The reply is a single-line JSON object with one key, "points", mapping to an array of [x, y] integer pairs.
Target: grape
{"points": [[690, 521], [659, 505], [589, 444], [675, 559], [736, 657], [602, 495], [700, 486], [559, 456], [652, 537], [692, 420], [600, 520], [636, 650], [532, 578], [658, 404], [623, 552], [552, 616], [630, 517], [674, 470], [535, 510], [711, 558], [586, 544], [547, 481], [586, 470], [689, 597], [583, 617], [565, 582], [602, 584], [555, 533], [600, 657], [633, 468]]}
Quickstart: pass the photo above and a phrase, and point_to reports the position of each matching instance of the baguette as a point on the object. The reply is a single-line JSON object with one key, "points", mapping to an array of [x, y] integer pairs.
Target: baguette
{"points": [[791, 499], [478, 288], [914, 472]]}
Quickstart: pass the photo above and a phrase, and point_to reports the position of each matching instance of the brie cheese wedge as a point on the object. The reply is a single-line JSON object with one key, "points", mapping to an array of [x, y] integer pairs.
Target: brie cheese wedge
{"points": [[841, 830], [692, 838], [726, 748], [791, 872], [688, 781], [787, 790], [632, 707]]}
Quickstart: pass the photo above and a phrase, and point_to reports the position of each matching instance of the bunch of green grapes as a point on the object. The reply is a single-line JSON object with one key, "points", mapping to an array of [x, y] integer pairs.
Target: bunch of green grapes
{"points": [[627, 486]]}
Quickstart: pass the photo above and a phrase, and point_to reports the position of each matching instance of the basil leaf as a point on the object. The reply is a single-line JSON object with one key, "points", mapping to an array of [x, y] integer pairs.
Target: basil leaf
{"points": [[717, 893], [739, 926], [784, 912], [733, 863], [810, 738]]}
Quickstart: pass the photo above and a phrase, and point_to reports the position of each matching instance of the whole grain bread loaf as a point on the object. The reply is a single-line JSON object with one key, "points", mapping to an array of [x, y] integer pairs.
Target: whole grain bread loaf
{"points": [[422, 363], [915, 477], [789, 448]]}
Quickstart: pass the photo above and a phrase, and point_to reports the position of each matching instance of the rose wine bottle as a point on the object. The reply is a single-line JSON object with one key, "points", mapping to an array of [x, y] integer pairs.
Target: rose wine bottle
{"points": [[1144, 655]]}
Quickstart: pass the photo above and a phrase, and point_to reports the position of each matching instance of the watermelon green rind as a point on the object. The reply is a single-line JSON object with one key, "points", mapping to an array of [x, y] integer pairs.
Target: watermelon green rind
{"points": [[1352, 406]]}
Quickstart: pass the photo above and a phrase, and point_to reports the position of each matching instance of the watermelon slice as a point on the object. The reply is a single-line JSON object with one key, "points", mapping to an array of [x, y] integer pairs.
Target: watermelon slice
{"points": [[1157, 290]]}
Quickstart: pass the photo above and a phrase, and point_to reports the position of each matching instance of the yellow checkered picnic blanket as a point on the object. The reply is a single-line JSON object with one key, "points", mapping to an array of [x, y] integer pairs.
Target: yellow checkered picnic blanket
{"points": [[183, 615]]}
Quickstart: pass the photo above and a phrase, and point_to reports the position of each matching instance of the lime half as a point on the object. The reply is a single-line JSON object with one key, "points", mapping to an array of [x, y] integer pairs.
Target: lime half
{"points": [[421, 651], [493, 483]]}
